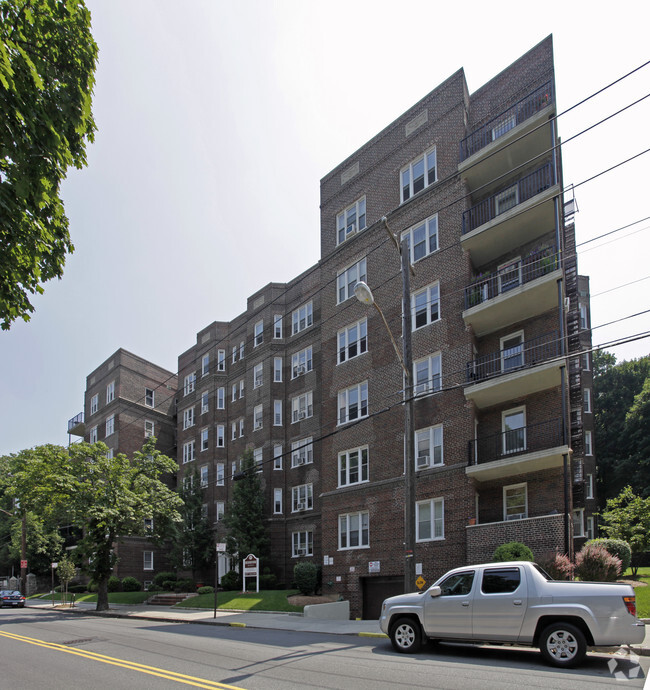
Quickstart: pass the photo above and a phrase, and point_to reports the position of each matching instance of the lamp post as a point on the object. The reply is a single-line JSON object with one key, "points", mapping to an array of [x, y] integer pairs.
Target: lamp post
{"points": [[364, 294]]}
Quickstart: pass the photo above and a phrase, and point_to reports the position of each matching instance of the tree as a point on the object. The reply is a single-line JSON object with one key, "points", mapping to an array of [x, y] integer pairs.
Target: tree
{"points": [[107, 497], [66, 571], [245, 513], [627, 517], [47, 68], [44, 543]]}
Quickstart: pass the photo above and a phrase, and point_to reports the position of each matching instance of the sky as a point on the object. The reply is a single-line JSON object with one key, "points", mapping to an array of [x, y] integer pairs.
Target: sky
{"points": [[216, 121]]}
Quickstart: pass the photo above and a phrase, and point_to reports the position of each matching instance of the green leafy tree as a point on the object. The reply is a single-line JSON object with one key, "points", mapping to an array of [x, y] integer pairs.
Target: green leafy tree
{"points": [[43, 540], [47, 74], [627, 517], [245, 513], [66, 570]]}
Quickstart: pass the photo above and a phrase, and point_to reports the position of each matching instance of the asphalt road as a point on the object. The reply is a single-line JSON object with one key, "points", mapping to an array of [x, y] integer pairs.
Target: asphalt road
{"points": [[58, 650]]}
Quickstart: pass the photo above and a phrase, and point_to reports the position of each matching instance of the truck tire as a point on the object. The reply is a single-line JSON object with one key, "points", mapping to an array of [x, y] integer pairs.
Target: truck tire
{"points": [[406, 636], [563, 645]]}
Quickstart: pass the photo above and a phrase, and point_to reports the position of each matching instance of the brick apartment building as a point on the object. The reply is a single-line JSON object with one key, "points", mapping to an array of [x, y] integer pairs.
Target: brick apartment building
{"points": [[309, 379]]}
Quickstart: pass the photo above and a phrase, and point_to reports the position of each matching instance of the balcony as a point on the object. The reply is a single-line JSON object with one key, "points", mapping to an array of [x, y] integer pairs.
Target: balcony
{"points": [[76, 426], [516, 215], [514, 137], [518, 290], [517, 451], [521, 369]]}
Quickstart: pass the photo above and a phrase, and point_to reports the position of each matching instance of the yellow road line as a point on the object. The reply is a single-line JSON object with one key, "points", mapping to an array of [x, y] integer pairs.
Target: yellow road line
{"points": [[130, 665]]}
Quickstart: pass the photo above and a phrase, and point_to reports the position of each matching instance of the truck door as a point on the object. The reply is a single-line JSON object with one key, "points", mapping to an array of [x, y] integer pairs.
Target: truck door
{"points": [[450, 614], [499, 604]]}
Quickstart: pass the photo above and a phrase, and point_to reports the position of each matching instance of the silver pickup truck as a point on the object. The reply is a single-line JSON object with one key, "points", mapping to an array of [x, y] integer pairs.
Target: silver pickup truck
{"points": [[515, 603]]}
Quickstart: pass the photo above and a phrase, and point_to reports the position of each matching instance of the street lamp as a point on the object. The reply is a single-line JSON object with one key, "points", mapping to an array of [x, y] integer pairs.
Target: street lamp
{"points": [[363, 293]]}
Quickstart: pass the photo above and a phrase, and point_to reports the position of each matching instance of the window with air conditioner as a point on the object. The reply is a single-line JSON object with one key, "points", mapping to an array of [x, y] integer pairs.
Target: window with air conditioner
{"points": [[427, 375], [301, 362], [351, 220], [428, 447], [302, 407], [302, 543], [148, 428], [515, 502], [258, 375], [189, 383], [302, 498], [188, 418], [302, 452], [257, 417]]}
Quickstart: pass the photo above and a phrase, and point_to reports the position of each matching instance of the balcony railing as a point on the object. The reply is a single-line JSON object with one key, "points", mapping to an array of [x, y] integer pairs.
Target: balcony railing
{"points": [[507, 120], [520, 356], [526, 188], [75, 421], [534, 265], [515, 442]]}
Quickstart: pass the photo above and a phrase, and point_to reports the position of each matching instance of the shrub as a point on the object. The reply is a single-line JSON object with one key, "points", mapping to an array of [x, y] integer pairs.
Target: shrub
{"points": [[161, 578], [617, 547], [513, 551], [130, 584], [268, 580], [557, 565], [76, 589], [595, 564], [206, 590], [169, 585], [305, 575], [231, 581], [114, 584], [92, 586], [185, 585]]}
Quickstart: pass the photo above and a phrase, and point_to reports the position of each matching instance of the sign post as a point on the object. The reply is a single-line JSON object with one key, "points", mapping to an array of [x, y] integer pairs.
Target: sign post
{"points": [[54, 565], [221, 548], [252, 569]]}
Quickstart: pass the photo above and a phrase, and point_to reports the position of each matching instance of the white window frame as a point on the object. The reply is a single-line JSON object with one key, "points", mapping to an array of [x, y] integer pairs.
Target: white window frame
{"points": [[436, 521], [504, 125], [92, 434], [510, 275], [505, 440], [221, 436], [147, 560], [110, 392], [242, 346], [188, 417], [578, 518], [258, 331], [149, 428], [352, 339], [205, 364], [258, 417], [427, 375], [277, 456], [189, 383], [258, 375], [189, 453], [277, 327], [241, 427], [408, 184], [221, 398], [356, 396], [346, 531], [584, 319], [233, 397], [258, 458], [429, 447], [512, 356], [110, 425], [302, 407], [302, 498], [353, 462], [586, 399], [219, 510], [506, 199], [424, 233], [203, 474], [233, 430], [205, 439], [94, 403], [205, 402], [589, 486], [589, 529], [235, 350], [431, 304], [589, 450], [277, 413], [277, 501], [302, 362], [517, 514], [302, 543], [348, 278], [221, 474], [277, 370], [302, 452], [351, 220], [302, 318], [221, 360], [149, 397]]}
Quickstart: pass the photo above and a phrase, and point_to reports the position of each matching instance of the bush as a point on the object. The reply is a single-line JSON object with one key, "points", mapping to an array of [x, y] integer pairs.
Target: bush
{"points": [[76, 589], [512, 551], [206, 590], [161, 578], [268, 580], [169, 585], [130, 584], [114, 584], [92, 586], [185, 585], [231, 581], [557, 565], [595, 564], [617, 547], [305, 575]]}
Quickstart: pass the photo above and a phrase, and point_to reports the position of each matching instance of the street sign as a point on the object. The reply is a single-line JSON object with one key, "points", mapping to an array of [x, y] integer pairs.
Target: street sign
{"points": [[221, 548], [420, 582], [23, 564], [55, 565]]}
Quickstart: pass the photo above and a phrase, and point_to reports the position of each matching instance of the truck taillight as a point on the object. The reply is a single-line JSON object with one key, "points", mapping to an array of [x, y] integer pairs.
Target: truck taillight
{"points": [[630, 604]]}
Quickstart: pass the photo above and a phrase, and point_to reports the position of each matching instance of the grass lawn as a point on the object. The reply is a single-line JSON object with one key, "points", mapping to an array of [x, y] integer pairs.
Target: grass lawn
{"points": [[642, 593], [265, 600], [113, 597]]}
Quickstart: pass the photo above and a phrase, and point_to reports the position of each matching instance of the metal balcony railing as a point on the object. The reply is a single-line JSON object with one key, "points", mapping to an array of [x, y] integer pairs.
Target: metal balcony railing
{"points": [[75, 421], [525, 188], [491, 285], [508, 444], [507, 120], [519, 356]]}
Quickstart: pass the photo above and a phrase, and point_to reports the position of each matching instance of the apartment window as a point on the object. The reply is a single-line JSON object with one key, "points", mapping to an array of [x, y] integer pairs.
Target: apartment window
{"points": [[188, 418], [578, 522], [354, 530], [189, 383], [584, 321], [513, 428], [353, 403], [188, 452], [302, 452], [353, 466], [241, 427], [277, 413], [204, 439], [586, 396], [221, 474], [257, 417], [353, 341], [94, 404], [148, 524], [92, 434], [258, 375], [347, 279], [258, 458], [512, 352], [234, 431], [302, 498], [235, 350], [302, 318], [149, 397], [221, 398], [277, 369], [427, 377], [204, 511], [204, 476], [515, 502], [205, 365], [221, 360], [205, 402], [219, 510], [241, 349], [233, 469], [428, 447], [425, 306], [301, 362], [422, 238], [110, 392], [351, 220], [589, 486], [277, 501], [277, 456], [588, 444], [302, 544], [221, 435], [590, 528], [418, 174], [586, 364], [430, 520], [234, 392], [110, 425], [259, 333], [277, 326], [147, 560], [148, 428], [302, 407]]}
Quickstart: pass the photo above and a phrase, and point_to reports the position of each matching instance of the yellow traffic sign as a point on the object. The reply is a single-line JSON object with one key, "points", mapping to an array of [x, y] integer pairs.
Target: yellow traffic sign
{"points": [[420, 582]]}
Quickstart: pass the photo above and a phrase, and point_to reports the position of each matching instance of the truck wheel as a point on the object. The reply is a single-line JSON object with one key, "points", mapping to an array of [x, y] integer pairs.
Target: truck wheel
{"points": [[563, 645], [406, 636]]}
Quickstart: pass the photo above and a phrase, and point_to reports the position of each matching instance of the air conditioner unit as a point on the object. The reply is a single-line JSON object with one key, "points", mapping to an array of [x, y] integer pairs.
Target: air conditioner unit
{"points": [[258, 381], [516, 516], [300, 552], [299, 370], [423, 461], [300, 460], [300, 506], [302, 415], [351, 228]]}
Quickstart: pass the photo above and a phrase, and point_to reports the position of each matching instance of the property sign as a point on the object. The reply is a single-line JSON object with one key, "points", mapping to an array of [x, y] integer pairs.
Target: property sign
{"points": [[252, 569], [221, 548], [23, 564]]}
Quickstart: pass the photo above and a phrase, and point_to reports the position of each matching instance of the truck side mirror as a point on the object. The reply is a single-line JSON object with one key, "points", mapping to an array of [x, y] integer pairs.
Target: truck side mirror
{"points": [[435, 591]]}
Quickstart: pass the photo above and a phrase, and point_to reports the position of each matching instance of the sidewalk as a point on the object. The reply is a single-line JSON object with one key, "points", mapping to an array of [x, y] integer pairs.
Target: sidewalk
{"points": [[262, 619]]}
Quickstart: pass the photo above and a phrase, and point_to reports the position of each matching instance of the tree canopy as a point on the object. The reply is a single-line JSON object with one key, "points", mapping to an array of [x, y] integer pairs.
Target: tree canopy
{"points": [[627, 517], [47, 74]]}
